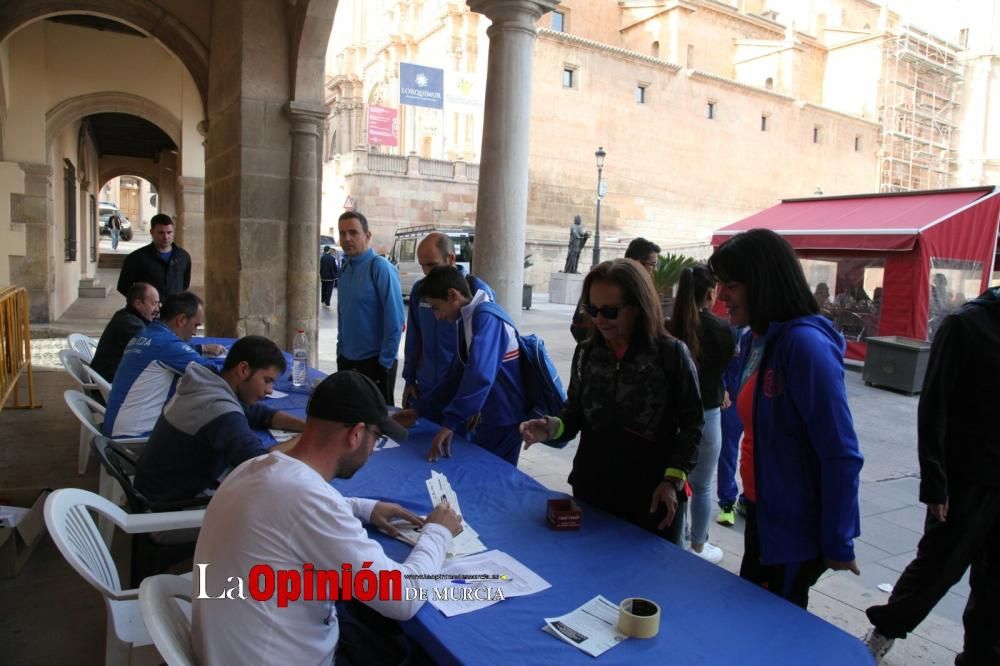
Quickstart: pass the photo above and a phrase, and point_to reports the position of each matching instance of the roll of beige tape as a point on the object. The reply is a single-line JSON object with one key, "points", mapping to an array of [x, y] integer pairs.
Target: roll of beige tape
{"points": [[638, 617]]}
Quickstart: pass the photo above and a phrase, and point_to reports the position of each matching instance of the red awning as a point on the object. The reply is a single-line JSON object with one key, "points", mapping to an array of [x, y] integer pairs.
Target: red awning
{"points": [[859, 222]]}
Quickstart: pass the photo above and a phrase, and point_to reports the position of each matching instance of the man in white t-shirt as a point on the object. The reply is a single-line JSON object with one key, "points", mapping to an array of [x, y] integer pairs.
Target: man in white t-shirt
{"points": [[279, 513]]}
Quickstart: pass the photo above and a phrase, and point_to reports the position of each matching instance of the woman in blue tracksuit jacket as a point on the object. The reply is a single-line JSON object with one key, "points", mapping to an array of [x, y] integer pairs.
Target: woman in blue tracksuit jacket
{"points": [[802, 463]]}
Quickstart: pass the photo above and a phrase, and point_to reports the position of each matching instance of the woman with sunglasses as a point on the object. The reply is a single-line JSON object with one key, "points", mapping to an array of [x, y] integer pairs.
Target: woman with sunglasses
{"points": [[799, 460], [633, 397], [711, 343]]}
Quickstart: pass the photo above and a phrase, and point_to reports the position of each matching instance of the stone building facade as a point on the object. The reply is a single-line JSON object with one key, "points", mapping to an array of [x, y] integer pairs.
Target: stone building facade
{"points": [[708, 110]]}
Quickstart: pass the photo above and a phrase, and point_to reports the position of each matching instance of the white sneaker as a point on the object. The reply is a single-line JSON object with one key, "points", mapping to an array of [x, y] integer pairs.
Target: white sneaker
{"points": [[878, 644], [709, 552]]}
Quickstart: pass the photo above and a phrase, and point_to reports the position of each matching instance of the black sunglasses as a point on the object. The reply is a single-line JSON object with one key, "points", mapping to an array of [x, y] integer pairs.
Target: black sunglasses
{"points": [[608, 311]]}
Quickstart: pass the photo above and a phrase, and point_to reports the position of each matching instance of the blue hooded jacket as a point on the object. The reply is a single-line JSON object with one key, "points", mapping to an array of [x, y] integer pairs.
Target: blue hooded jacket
{"points": [[806, 457], [484, 377], [431, 344]]}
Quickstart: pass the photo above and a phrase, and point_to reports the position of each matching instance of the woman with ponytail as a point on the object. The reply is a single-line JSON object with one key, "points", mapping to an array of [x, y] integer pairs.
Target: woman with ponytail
{"points": [[710, 341]]}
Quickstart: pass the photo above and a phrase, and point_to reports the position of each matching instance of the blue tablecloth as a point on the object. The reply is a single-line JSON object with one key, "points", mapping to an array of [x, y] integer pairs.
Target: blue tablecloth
{"points": [[709, 616]]}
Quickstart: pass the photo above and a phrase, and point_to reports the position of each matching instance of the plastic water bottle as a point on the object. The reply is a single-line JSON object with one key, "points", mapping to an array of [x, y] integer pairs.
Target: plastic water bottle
{"points": [[300, 359]]}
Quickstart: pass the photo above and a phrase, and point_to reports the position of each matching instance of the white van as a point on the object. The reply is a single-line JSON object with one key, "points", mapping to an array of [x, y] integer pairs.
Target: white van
{"points": [[404, 250]]}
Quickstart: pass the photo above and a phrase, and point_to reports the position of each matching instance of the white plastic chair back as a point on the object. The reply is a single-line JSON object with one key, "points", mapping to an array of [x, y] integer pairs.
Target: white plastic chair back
{"points": [[74, 362], [90, 413], [165, 601], [75, 535], [83, 344], [77, 538], [102, 384]]}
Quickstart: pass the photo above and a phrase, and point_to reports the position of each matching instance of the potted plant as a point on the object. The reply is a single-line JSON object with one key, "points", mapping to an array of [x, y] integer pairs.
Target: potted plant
{"points": [[667, 274], [526, 288]]}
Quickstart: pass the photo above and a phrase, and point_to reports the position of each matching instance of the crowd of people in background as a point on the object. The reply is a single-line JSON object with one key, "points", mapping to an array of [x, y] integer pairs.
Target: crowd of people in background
{"points": [[735, 396]]}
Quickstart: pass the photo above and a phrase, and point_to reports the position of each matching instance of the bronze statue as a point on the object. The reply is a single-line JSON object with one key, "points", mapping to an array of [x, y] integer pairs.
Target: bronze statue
{"points": [[577, 239]]}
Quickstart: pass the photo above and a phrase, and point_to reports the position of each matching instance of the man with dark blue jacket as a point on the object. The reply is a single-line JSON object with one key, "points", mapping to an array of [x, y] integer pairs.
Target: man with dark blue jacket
{"points": [[327, 274], [958, 443], [207, 427], [430, 342]]}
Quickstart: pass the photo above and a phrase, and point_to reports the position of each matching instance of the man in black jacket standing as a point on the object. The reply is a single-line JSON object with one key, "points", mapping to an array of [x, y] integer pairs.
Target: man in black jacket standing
{"points": [[959, 449], [162, 263], [327, 274], [142, 304]]}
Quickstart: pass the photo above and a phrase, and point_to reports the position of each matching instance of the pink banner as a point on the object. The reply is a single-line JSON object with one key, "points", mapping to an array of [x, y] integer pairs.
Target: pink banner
{"points": [[383, 126]]}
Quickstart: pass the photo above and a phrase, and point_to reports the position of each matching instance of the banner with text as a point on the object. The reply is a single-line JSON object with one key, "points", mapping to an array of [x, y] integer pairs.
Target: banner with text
{"points": [[421, 86], [383, 126]]}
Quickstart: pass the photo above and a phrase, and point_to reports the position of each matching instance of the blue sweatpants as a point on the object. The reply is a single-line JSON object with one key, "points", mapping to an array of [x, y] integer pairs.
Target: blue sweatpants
{"points": [[732, 431]]}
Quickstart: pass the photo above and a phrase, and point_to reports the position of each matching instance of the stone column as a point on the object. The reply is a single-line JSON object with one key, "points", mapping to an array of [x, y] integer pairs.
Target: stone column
{"points": [[190, 210], [34, 270], [302, 286], [502, 204]]}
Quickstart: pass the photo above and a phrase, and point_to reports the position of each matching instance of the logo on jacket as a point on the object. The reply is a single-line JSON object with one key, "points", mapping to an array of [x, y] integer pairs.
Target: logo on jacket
{"points": [[773, 384]]}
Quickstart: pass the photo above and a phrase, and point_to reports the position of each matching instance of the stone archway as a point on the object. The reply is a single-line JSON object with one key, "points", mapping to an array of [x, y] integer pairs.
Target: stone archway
{"points": [[73, 109], [144, 15]]}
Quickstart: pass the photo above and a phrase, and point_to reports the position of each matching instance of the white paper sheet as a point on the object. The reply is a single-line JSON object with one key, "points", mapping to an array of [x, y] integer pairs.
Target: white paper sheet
{"points": [[275, 393], [282, 435], [463, 588], [593, 627]]}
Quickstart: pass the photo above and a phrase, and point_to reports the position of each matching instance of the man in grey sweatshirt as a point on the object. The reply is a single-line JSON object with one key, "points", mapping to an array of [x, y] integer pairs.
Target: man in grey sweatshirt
{"points": [[207, 427]]}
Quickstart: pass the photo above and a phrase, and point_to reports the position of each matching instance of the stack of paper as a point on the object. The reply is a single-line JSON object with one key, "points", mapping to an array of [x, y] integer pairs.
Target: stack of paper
{"points": [[482, 580], [593, 627], [468, 541]]}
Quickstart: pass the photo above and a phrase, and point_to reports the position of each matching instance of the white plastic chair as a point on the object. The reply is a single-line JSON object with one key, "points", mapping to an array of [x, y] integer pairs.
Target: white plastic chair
{"points": [[76, 365], [102, 384], [83, 344], [76, 536], [91, 416], [165, 601]]}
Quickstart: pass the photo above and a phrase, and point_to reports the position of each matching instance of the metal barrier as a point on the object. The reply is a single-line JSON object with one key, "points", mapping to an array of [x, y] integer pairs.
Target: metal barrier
{"points": [[15, 347]]}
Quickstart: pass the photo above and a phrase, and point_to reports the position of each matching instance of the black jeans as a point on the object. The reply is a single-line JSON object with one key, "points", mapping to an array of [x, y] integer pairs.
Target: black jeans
{"points": [[970, 535], [327, 291], [790, 581], [385, 379]]}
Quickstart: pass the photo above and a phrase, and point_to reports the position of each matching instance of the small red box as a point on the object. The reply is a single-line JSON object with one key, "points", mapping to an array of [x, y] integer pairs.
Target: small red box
{"points": [[563, 514]]}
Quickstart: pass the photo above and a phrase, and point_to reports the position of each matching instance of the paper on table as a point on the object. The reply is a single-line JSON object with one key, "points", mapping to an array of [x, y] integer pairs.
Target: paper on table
{"points": [[282, 435], [593, 627], [275, 393], [463, 589], [467, 542]]}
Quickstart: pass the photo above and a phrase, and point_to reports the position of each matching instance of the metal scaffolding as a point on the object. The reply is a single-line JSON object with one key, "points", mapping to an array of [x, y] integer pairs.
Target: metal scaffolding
{"points": [[920, 87]]}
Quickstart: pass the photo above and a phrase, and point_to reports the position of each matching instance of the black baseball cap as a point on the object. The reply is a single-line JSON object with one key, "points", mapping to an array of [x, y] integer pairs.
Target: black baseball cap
{"points": [[350, 397]]}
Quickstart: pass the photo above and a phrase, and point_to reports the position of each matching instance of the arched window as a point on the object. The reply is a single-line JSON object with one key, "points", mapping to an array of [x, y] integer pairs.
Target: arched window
{"points": [[769, 83], [655, 50]]}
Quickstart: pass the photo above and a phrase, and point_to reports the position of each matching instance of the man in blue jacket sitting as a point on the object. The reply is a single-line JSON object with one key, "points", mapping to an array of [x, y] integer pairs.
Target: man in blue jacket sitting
{"points": [[481, 393], [431, 342], [152, 363]]}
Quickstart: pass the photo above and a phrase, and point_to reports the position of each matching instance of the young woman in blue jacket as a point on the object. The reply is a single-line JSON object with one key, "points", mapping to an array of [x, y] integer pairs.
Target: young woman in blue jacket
{"points": [[800, 461]]}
